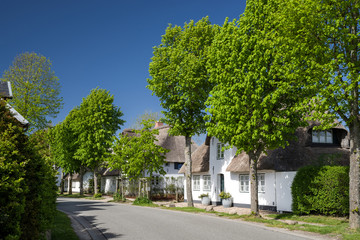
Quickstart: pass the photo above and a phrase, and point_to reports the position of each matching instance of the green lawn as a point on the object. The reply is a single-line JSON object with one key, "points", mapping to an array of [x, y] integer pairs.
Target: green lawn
{"points": [[62, 228]]}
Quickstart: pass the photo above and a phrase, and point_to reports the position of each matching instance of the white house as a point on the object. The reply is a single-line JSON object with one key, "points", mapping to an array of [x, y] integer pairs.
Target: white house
{"points": [[215, 170]]}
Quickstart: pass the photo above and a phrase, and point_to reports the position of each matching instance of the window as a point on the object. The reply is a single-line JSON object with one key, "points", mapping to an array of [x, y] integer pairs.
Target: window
{"points": [[220, 152], [155, 180], [196, 183], [261, 182], [178, 165], [244, 183], [167, 164], [322, 136], [207, 183]]}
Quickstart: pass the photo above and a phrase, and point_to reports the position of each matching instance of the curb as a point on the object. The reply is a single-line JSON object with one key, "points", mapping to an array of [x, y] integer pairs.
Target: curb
{"points": [[83, 229]]}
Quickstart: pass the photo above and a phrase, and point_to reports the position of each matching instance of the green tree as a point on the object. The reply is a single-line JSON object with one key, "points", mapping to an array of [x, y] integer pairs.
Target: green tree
{"points": [[97, 121], [180, 79], [139, 155], [63, 143], [329, 31], [253, 105], [35, 88], [147, 115]]}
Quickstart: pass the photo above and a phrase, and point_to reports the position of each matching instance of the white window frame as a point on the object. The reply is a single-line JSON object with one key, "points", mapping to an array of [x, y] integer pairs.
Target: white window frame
{"points": [[325, 136], [244, 183], [196, 182], [219, 151], [207, 183]]}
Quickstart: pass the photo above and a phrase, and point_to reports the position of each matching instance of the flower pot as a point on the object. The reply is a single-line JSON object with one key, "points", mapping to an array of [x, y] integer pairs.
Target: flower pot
{"points": [[227, 202], [205, 201]]}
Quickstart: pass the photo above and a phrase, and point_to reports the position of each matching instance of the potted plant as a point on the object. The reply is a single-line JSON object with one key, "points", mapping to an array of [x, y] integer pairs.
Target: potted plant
{"points": [[226, 199], [205, 199]]}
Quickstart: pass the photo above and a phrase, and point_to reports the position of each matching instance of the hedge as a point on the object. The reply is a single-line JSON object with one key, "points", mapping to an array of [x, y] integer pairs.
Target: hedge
{"points": [[321, 190]]}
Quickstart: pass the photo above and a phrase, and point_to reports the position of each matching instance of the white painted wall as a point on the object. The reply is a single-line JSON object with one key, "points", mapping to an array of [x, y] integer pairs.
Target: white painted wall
{"points": [[283, 190], [108, 184]]}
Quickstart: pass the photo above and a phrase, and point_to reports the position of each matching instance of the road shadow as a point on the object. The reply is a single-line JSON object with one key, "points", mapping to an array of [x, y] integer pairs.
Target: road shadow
{"points": [[77, 207]]}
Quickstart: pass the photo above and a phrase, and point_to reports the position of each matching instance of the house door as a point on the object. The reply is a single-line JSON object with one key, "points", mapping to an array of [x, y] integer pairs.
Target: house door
{"points": [[222, 183]]}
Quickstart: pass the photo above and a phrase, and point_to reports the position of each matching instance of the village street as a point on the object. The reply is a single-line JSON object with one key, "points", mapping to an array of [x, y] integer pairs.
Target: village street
{"points": [[122, 221]]}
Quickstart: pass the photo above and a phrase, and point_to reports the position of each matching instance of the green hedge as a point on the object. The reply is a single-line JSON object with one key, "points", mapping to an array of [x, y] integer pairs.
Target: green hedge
{"points": [[27, 183], [321, 190]]}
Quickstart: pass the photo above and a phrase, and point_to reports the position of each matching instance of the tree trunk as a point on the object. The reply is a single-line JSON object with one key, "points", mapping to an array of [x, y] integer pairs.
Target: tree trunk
{"points": [[188, 171], [354, 174], [95, 181], [254, 185], [70, 184], [81, 180]]}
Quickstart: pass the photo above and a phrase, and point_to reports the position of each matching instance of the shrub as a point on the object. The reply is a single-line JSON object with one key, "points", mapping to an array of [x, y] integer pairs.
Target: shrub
{"points": [[321, 190], [98, 195], [142, 200], [204, 195], [118, 197], [224, 195]]}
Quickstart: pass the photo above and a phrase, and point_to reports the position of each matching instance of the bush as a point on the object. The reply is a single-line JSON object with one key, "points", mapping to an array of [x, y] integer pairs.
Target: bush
{"points": [[321, 190], [98, 195], [142, 200], [118, 197]]}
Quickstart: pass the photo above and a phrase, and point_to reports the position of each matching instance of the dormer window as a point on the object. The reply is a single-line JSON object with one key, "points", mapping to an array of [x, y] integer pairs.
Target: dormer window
{"points": [[322, 136]]}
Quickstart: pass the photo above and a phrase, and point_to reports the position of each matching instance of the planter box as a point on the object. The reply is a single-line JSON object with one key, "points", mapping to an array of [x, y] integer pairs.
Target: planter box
{"points": [[227, 202], [205, 201]]}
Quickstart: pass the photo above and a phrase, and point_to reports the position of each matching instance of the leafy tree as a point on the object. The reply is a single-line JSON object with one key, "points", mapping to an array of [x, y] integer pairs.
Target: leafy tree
{"points": [[253, 105], [97, 121], [180, 79], [35, 88], [329, 31], [137, 155], [63, 141], [147, 115]]}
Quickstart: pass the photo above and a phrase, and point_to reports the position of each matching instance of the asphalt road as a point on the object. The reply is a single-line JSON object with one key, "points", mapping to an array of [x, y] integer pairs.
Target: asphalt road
{"points": [[123, 221]]}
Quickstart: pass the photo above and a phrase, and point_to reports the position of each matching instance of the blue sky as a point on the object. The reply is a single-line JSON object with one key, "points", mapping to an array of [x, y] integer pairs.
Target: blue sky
{"points": [[106, 44]]}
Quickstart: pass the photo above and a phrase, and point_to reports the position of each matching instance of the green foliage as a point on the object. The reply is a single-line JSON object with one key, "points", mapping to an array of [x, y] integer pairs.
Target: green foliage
{"points": [[97, 195], [321, 190], [118, 197], [179, 76], [35, 88], [142, 201], [12, 186], [27, 183], [147, 115], [204, 195], [138, 154], [97, 121], [224, 195], [61, 228]]}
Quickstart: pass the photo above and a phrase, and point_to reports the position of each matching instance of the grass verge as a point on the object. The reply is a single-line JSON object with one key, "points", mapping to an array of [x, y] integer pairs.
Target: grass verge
{"points": [[75, 195], [62, 228], [332, 226]]}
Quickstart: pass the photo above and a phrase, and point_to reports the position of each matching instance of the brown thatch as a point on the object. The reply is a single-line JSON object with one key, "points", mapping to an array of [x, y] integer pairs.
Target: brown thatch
{"points": [[300, 153], [200, 158], [176, 145]]}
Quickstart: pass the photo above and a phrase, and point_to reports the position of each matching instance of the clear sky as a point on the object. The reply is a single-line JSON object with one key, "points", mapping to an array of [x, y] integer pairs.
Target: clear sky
{"points": [[106, 44]]}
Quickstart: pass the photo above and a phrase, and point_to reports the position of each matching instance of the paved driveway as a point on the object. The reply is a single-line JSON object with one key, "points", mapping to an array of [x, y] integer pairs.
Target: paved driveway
{"points": [[123, 221]]}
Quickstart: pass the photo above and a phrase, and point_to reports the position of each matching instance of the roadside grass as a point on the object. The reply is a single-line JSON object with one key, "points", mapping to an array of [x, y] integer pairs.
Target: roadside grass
{"points": [[75, 195], [94, 198], [332, 226], [61, 228]]}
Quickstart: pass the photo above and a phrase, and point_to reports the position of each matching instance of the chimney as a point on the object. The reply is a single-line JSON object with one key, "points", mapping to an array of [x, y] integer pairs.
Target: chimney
{"points": [[158, 124]]}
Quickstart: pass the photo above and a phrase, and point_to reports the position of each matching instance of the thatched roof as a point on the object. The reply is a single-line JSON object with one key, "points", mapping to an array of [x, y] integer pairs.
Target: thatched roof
{"points": [[299, 153], [176, 145], [200, 158], [109, 172]]}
